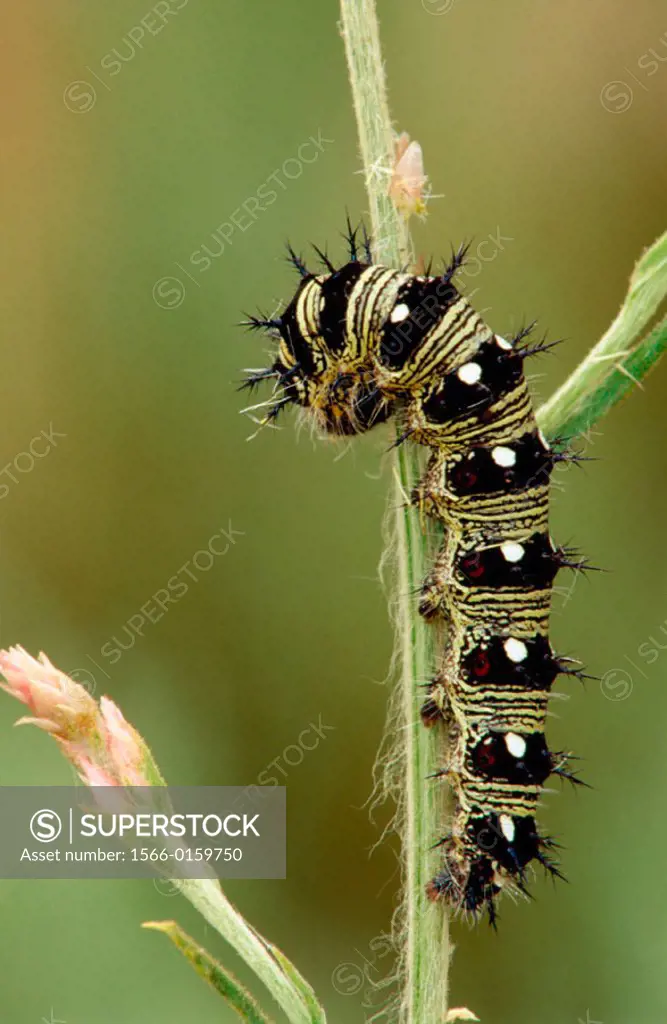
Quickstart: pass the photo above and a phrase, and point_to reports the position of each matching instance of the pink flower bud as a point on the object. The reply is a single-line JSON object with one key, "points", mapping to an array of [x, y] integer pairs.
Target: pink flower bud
{"points": [[103, 747]]}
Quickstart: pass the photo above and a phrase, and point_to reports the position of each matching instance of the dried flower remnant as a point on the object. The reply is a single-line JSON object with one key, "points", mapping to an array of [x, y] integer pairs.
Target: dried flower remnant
{"points": [[407, 187], [103, 747]]}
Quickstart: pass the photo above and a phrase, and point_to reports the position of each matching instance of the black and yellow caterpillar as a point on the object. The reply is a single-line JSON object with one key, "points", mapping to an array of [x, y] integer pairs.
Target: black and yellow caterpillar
{"points": [[359, 343]]}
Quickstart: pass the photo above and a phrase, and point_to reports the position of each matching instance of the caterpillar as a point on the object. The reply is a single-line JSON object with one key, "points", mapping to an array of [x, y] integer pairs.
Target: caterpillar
{"points": [[362, 342]]}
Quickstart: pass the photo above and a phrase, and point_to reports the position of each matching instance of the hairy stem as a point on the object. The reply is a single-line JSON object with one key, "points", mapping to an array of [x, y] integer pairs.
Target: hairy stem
{"points": [[426, 953], [620, 358], [612, 367], [579, 404]]}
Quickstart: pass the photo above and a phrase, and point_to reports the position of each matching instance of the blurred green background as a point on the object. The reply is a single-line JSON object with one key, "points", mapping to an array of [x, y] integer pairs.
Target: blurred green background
{"points": [[544, 122]]}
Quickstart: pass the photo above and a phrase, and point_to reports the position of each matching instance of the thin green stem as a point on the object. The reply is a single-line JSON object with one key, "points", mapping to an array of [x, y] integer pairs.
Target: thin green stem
{"points": [[289, 989], [390, 237], [578, 408], [426, 953], [207, 967], [620, 359]]}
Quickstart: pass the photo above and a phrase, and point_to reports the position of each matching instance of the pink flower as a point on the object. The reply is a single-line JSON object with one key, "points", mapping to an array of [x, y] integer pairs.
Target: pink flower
{"points": [[58, 704], [103, 747], [125, 747]]}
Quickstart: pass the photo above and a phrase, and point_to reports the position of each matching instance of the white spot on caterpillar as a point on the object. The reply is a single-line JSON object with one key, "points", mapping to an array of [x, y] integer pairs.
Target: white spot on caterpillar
{"points": [[503, 343], [515, 650], [507, 827], [515, 744], [512, 552], [503, 456], [469, 373], [399, 313]]}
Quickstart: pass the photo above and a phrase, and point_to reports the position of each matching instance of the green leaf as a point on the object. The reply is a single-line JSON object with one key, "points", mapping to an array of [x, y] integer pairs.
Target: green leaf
{"points": [[224, 983], [301, 984], [207, 897]]}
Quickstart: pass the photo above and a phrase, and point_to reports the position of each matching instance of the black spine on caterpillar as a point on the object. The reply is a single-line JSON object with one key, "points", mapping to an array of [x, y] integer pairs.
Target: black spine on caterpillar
{"points": [[358, 343]]}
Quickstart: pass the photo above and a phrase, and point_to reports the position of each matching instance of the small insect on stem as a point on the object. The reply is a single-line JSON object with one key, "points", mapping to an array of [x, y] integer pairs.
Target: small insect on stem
{"points": [[408, 184]]}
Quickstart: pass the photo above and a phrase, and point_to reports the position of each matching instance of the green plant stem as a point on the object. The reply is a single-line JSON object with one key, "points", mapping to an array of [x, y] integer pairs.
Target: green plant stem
{"points": [[290, 990], [620, 358], [390, 236], [426, 954], [207, 967], [588, 395]]}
